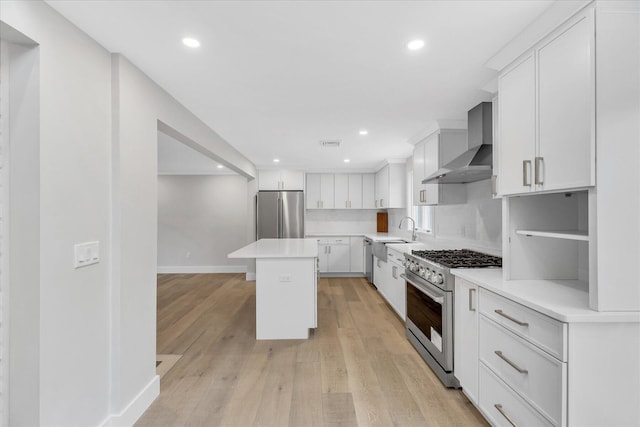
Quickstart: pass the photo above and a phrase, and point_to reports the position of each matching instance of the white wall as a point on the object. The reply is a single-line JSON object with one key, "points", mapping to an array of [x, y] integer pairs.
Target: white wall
{"points": [[340, 221], [89, 343], [72, 122], [476, 224], [201, 218]]}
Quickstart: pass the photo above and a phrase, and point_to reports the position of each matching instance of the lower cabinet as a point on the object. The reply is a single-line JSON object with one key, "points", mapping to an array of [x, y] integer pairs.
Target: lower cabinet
{"points": [[380, 276], [465, 337], [396, 288], [333, 255]]}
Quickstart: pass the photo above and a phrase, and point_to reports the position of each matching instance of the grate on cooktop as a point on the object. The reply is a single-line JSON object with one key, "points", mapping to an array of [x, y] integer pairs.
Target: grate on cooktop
{"points": [[460, 258]]}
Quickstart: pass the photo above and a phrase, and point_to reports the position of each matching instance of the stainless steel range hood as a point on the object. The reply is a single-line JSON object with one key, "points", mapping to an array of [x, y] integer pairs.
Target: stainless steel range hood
{"points": [[476, 163]]}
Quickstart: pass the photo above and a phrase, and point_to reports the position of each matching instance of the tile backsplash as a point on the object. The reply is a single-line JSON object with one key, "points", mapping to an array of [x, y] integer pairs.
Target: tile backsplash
{"points": [[476, 224]]}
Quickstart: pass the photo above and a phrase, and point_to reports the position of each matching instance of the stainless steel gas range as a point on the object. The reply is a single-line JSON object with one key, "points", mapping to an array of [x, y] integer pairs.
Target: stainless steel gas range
{"points": [[430, 297]]}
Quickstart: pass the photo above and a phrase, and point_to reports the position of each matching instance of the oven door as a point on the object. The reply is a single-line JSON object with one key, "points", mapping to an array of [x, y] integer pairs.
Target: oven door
{"points": [[430, 318]]}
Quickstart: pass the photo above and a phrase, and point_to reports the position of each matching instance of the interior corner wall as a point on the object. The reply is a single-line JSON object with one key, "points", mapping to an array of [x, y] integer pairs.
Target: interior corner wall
{"points": [[201, 219], [140, 108], [67, 337], [23, 349]]}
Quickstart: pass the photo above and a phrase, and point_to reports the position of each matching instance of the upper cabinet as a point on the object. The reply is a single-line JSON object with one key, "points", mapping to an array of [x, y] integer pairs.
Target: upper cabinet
{"points": [[571, 223], [546, 114], [348, 191], [340, 191], [320, 191], [390, 186], [431, 154], [280, 180]]}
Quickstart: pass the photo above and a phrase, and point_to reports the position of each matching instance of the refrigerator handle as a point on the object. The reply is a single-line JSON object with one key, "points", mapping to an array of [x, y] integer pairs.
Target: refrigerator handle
{"points": [[280, 213]]}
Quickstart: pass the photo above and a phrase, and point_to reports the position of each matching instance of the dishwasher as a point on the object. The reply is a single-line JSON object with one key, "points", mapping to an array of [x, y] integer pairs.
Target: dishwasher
{"points": [[368, 259]]}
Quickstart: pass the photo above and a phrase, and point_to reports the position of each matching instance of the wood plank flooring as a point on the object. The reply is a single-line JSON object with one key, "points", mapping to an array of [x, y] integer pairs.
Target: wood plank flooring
{"points": [[357, 369]]}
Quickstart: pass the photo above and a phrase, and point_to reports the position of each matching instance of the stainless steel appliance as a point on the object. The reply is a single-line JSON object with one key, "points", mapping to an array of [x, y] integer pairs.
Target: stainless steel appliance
{"points": [[279, 215], [430, 297], [368, 259], [476, 163]]}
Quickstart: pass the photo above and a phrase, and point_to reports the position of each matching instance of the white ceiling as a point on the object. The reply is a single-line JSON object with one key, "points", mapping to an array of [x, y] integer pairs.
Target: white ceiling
{"points": [[276, 77]]}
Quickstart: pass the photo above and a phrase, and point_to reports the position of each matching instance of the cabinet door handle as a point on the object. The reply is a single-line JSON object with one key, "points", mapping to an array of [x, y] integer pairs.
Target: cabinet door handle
{"points": [[526, 172], [499, 408], [494, 185], [394, 272], [471, 307], [538, 174], [381, 203], [512, 364], [513, 319]]}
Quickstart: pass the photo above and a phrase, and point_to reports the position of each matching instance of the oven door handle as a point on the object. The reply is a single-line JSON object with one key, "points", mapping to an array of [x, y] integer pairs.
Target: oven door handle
{"points": [[439, 300]]}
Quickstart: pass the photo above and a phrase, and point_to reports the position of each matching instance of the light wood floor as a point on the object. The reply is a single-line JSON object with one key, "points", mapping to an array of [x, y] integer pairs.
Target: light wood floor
{"points": [[357, 369]]}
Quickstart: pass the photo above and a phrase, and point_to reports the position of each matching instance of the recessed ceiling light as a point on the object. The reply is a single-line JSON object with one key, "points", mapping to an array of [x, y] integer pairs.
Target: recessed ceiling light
{"points": [[364, 132], [347, 160], [276, 160], [415, 44], [190, 42], [220, 166]]}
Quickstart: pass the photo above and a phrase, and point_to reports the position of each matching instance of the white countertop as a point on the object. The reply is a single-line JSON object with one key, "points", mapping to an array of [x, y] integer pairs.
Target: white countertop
{"points": [[278, 248], [564, 300], [308, 235]]}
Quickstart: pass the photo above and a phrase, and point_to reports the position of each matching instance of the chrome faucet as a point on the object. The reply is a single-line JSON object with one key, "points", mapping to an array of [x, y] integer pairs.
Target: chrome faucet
{"points": [[413, 229]]}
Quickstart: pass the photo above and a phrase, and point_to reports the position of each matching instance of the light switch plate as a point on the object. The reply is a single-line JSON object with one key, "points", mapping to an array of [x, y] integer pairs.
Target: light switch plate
{"points": [[86, 254]]}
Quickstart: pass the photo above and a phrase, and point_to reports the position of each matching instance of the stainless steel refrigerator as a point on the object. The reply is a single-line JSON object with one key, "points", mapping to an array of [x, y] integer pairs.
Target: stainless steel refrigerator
{"points": [[279, 215]]}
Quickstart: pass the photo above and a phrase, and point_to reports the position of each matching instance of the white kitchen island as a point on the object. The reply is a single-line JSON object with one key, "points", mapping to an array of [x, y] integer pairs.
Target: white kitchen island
{"points": [[286, 286]]}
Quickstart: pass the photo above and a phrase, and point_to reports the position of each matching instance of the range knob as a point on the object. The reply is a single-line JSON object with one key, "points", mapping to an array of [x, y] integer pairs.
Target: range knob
{"points": [[413, 266], [440, 279], [421, 271]]}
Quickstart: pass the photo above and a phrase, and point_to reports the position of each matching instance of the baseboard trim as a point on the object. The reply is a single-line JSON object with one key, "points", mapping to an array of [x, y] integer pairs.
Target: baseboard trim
{"points": [[136, 407], [251, 277], [195, 269]]}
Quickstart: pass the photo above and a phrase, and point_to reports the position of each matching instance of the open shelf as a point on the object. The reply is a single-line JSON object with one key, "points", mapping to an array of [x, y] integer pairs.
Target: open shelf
{"points": [[557, 234]]}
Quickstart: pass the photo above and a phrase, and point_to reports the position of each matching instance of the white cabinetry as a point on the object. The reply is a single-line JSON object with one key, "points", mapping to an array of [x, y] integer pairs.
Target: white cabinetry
{"points": [[333, 254], [357, 254], [390, 186], [280, 180], [368, 191], [546, 108], [395, 286], [429, 155], [348, 191], [380, 275], [521, 359], [466, 337], [320, 191]]}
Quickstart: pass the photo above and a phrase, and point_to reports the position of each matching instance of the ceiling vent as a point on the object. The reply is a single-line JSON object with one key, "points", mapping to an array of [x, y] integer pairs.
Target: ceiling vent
{"points": [[330, 143]]}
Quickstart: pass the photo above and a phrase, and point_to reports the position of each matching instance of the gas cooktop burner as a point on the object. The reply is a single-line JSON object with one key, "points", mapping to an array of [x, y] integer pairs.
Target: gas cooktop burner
{"points": [[460, 258]]}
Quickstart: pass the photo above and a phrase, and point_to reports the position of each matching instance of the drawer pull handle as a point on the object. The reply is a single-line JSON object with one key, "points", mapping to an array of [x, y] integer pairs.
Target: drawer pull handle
{"points": [[499, 408], [513, 319], [513, 365]]}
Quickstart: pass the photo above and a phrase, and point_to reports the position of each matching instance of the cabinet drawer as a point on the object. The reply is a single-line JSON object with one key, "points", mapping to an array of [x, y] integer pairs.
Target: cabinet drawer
{"points": [[538, 377], [543, 331], [502, 406], [395, 256], [333, 240]]}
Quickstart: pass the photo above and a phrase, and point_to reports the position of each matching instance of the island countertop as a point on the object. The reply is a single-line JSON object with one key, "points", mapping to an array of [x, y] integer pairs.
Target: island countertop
{"points": [[278, 248]]}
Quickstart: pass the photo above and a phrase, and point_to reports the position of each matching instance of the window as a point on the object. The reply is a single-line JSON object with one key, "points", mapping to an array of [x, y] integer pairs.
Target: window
{"points": [[423, 215], [424, 218]]}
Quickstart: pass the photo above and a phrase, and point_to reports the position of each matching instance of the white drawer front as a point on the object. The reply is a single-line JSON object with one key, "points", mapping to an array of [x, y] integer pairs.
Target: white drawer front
{"points": [[545, 332], [531, 372], [502, 406], [395, 255]]}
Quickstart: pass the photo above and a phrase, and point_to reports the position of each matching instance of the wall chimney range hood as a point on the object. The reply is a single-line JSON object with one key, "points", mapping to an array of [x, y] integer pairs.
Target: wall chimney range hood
{"points": [[475, 164]]}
